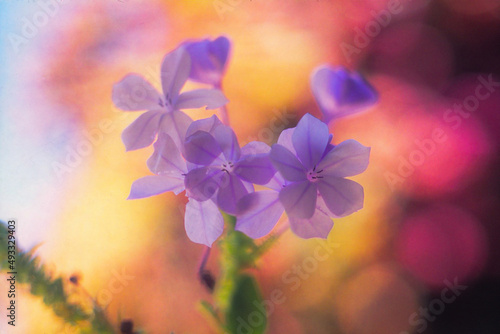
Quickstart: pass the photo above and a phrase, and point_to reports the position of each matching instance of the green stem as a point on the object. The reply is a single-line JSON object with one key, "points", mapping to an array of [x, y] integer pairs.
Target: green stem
{"points": [[238, 253]]}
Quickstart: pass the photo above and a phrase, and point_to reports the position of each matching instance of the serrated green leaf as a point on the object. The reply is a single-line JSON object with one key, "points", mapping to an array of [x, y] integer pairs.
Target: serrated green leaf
{"points": [[51, 290]]}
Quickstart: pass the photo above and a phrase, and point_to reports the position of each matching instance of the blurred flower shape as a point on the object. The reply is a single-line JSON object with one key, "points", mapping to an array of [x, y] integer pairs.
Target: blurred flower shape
{"points": [[134, 93], [208, 59], [222, 170], [202, 220], [310, 186], [340, 93]]}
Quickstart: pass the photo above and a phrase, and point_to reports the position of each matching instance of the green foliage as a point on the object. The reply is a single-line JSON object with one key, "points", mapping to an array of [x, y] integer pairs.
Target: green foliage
{"points": [[245, 311], [237, 293], [51, 290]]}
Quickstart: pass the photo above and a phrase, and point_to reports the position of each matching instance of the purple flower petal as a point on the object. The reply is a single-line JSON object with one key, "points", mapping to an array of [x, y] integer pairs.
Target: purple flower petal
{"points": [[133, 93], [285, 139], [174, 73], [228, 142], [205, 124], [230, 192], [321, 205], [340, 93], [219, 48], [201, 148], [166, 157], [208, 59], [310, 139], [175, 124], [276, 183], [318, 226], [255, 168], [211, 98], [299, 199], [154, 185], [203, 68], [287, 164], [202, 183], [248, 186], [142, 132], [346, 159], [258, 213], [255, 147], [203, 222], [341, 196]]}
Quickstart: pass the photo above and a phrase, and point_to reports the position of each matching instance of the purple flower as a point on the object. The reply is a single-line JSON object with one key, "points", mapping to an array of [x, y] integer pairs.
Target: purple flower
{"points": [[339, 92], [312, 188], [168, 165], [134, 93], [223, 171], [203, 221], [315, 167], [208, 60]]}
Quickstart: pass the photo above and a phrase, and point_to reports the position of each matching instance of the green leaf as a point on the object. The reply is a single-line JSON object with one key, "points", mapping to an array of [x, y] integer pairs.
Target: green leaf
{"points": [[246, 314]]}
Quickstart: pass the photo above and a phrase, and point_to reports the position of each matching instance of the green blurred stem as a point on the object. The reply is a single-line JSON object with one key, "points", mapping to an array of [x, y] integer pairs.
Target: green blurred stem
{"points": [[238, 254]]}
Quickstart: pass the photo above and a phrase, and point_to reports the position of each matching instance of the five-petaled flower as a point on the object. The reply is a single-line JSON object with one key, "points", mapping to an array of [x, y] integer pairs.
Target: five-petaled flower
{"points": [[312, 188], [134, 93], [340, 92], [225, 172]]}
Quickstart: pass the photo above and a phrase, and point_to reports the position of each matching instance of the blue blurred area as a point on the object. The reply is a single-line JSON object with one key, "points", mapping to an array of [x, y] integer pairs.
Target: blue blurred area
{"points": [[24, 173], [5, 10]]}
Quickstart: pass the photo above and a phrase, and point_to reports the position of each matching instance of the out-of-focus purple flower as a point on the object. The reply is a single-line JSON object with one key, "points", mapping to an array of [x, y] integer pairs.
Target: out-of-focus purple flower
{"points": [[134, 93], [208, 59], [203, 221], [340, 93], [224, 171], [312, 188]]}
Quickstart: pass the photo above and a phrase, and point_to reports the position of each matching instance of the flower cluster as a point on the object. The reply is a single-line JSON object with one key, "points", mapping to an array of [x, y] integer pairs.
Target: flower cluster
{"points": [[304, 172]]}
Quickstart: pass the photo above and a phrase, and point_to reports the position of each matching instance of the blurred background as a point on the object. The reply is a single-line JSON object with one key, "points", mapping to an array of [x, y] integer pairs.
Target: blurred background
{"points": [[421, 257]]}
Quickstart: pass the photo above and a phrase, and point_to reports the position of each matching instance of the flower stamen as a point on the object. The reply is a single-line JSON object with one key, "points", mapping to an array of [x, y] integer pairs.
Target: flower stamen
{"points": [[313, 175]]}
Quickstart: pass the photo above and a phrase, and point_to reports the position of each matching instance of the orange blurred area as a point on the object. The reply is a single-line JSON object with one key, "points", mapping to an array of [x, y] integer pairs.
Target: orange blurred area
{"points": [[431, 202]]}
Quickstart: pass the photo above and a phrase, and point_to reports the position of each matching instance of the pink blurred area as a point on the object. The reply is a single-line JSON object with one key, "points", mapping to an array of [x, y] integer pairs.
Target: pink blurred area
{"points": [[442, 243], [431, 203]]}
